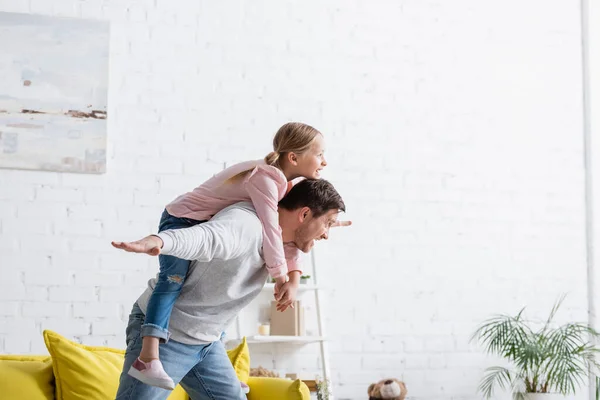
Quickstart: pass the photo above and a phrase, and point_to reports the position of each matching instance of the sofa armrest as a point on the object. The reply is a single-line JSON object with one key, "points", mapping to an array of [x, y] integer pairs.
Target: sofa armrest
{"points": [[277, 388]]}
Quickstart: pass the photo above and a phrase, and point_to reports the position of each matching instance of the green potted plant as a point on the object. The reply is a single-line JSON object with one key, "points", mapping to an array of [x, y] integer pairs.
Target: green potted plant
{"points": [[547, 363], [323, 391], [304, 279]]}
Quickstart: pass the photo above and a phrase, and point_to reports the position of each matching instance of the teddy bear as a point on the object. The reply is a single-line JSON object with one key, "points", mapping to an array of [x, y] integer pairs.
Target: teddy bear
{"points": [[388, 389]]}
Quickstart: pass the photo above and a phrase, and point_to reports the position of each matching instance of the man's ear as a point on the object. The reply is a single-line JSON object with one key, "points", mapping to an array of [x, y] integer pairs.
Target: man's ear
{"points": [[303, 214]]}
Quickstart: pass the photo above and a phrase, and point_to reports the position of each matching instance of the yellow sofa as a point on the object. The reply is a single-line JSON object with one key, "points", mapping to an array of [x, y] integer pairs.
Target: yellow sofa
{"points": [[65, 374]]}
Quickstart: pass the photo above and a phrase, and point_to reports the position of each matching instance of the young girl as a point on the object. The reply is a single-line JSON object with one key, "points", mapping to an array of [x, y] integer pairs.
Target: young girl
{"points": [[297, 152]]}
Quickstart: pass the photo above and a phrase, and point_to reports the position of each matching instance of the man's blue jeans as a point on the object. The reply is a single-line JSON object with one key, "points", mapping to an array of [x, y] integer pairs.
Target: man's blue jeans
{"points": [[204, 371], [169, 282]]}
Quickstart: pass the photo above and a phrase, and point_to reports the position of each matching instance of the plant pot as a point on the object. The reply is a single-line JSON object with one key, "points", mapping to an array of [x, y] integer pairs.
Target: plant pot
{"points": [[548, 396], [303, 281]]}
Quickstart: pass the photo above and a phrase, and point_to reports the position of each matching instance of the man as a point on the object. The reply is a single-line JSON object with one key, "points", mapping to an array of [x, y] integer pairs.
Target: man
{"points": [[228, 272]]}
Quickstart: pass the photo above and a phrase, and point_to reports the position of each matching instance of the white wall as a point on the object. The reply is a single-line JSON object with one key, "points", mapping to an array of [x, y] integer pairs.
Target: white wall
{"points": [[455, 137]]}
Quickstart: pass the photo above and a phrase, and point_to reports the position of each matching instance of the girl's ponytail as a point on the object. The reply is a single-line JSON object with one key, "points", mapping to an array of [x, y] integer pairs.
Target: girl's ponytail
{"points": [[272, 158]]}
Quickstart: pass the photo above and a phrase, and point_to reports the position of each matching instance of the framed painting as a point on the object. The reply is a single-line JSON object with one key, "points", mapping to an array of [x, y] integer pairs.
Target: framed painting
{"points": [[53, 93]]}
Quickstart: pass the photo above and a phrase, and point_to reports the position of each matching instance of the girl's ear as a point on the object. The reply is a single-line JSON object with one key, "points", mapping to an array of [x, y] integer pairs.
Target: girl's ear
{"points": [[292, 158]]}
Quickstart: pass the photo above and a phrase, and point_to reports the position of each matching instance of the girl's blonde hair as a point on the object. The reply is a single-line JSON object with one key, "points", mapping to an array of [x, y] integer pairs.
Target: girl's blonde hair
{"points": [[293, 137]]}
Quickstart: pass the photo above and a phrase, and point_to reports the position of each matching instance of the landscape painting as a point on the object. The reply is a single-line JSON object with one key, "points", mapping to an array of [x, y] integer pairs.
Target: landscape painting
{"points": [[53, 93]]}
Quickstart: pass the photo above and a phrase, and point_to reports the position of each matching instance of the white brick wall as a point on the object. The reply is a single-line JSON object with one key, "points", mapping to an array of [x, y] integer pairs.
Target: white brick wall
{"points": [[454, 135]]}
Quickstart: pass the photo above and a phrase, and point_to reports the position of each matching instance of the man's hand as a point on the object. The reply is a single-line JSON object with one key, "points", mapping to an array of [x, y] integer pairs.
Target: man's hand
{"points": [[150, 245], [341, 223]]}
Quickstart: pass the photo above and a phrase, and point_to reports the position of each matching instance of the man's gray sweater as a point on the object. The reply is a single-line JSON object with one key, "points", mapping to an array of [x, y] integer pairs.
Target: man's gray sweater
{"points": [[227, 273]]}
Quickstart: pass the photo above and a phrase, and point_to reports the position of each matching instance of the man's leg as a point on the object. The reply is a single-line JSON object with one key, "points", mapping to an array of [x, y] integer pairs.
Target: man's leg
{"points": [[177, 359], [213, 378]]}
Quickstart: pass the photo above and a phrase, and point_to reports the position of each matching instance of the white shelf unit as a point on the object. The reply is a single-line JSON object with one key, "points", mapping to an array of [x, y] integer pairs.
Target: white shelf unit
{"points": [[284, 339], [320, 338], [269, 287]]}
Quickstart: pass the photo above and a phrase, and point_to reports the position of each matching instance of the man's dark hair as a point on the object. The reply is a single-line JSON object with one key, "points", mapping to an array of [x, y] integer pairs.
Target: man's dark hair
{"points": [[317, 194]]}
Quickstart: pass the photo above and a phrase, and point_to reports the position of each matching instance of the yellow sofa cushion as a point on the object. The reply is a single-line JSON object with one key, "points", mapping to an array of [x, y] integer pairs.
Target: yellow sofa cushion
{"points": [[88, 372], [240, 359], [26, 377], [272, 388]]}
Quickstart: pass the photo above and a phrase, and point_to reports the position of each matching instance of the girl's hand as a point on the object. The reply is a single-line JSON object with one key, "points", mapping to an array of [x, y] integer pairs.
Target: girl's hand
{"points": [[279, 282], [150, 245], [286, 296]]}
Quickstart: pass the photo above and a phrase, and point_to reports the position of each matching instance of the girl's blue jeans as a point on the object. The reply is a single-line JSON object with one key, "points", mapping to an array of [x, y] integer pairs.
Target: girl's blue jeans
{"points": [[171, 275]]}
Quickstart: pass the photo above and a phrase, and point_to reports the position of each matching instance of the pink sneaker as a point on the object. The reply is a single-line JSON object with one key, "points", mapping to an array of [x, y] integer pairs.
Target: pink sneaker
{"points": [[245, 388], [151, 373]]}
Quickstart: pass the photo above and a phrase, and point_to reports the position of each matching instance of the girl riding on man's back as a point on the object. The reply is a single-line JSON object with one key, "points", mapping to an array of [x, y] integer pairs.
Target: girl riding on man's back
{"points": [[297, 153]]}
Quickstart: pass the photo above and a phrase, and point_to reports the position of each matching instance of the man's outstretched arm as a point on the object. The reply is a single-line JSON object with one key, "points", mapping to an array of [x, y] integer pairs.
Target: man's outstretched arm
{"points": [[202, 242]]}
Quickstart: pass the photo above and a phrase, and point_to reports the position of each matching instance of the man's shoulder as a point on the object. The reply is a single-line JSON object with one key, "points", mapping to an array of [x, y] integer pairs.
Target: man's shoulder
{"points": [[240, 223], [243, 209], [240, 215]]}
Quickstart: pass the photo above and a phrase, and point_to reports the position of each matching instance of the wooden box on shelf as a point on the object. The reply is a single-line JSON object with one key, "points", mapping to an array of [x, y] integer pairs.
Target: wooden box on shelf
{"points": [[312, 384], [289, 322]]}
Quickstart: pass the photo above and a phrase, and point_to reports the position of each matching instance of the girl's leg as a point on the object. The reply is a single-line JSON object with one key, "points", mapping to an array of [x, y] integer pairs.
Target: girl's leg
{"points": [[166, 290], [168, 285], [149, 350]]}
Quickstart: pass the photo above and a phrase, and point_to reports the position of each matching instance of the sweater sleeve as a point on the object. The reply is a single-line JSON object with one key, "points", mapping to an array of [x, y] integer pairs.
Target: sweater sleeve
{"points": [[266, 185], [220, 238], [293, 256]]}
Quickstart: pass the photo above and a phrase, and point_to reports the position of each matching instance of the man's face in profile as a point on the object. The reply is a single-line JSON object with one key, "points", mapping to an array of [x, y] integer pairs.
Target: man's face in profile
{"points": [[312, 229]]}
